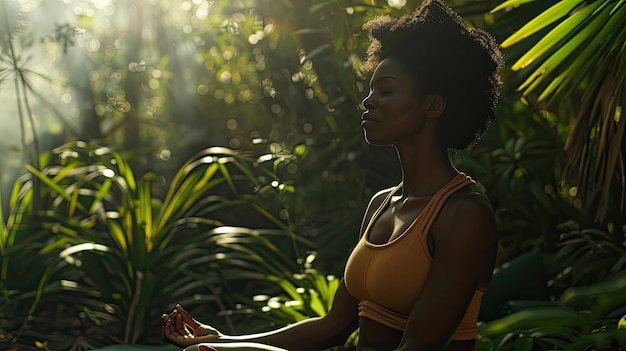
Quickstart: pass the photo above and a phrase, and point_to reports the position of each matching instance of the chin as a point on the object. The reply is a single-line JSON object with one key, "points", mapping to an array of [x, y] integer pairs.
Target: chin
{"points": [[375, 142]]}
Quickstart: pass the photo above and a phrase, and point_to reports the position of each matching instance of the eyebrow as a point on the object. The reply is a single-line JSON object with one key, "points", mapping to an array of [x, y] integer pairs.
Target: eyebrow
{"points": [[379, 79]]}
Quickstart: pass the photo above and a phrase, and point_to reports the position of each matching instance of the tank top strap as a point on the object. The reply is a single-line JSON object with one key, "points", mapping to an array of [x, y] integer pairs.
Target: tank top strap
{"points": [[432, 209]]}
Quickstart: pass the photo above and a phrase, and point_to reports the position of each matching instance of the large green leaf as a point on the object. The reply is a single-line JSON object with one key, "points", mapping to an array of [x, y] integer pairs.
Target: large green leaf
{"points": [[554, 13], [510, 3], [557, 34], [534, 318], [565, 50]]}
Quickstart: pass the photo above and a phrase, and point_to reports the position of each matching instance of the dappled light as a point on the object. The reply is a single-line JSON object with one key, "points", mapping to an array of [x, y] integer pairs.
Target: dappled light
{"points": [[210, 153]]}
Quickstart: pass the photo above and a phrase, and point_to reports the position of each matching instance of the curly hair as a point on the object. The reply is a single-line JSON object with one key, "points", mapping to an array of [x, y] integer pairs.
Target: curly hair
{"points": [[448, 59]]}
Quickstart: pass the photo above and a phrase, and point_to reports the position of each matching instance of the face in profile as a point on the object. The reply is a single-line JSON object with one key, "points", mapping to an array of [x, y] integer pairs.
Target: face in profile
{"points": [[394, 111]]}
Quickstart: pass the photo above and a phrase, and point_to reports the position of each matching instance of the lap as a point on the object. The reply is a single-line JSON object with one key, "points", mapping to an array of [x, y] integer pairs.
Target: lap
{"points": [[234, 346]]}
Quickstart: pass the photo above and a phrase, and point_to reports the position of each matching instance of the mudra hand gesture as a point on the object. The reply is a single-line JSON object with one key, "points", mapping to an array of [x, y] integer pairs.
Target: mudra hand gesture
{"points": [[181, 329]]}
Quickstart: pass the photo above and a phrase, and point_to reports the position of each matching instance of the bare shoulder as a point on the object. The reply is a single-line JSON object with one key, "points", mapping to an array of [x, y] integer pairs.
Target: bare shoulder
{"points": [[375, 202], [380, 197], [467, 219]]}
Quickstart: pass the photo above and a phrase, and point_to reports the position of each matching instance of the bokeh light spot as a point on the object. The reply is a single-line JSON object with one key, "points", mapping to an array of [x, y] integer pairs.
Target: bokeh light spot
{"points": [[276, 108], [284, 214], [203, 10], [225, 77], [234, 143], [292, 168], [185, 6], [165, 155], [93, 45], [94, 76], [154, 84], [231, 124], [202, 89]]}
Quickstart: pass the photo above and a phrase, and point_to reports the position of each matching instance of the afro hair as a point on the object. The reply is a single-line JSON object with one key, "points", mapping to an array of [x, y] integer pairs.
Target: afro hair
{"points": [[446, 58]]}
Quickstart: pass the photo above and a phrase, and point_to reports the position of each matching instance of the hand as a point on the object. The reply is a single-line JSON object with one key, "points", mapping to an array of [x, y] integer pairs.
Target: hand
{"points": [[181, 329]]}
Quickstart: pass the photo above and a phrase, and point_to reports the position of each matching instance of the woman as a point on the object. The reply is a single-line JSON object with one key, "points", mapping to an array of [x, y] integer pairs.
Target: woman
{"points": [[427, 250]]}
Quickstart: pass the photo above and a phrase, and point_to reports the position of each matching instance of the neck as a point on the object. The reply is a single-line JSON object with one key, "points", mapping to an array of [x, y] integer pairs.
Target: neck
{"points": [[424, 169]]}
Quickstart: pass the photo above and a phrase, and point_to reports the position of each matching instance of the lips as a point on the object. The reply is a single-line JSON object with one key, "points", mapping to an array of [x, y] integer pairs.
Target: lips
{"points": [[367, 118]]}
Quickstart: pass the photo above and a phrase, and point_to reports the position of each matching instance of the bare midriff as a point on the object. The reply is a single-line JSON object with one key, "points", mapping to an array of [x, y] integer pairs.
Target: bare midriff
{"points": [[374, 336]]}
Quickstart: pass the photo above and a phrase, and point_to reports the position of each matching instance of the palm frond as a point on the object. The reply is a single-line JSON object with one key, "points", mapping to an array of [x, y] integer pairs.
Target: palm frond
{"points": [[582, 55]]}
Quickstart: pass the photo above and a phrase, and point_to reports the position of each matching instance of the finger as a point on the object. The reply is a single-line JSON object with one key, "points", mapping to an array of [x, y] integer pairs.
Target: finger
{"points": [[172, 335], [180, 326], [164, 317], [172, 316], [183, 311], [180, 309], [187, 318], [165, 331]]}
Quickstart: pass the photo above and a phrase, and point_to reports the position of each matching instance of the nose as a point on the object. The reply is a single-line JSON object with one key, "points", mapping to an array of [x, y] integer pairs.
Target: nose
{"points": [[368, 102]]}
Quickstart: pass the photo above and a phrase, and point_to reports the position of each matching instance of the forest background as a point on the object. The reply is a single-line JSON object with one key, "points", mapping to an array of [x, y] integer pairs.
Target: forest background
{"points": [[209, 153]]}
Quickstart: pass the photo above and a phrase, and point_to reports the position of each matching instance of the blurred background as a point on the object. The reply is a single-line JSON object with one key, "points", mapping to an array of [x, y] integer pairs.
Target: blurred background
{"points": [[210, 153]]}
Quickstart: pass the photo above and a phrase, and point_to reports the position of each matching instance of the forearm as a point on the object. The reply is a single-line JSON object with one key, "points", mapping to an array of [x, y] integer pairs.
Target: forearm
{"points": [[310, 334], [317, 333], [234, 346]]}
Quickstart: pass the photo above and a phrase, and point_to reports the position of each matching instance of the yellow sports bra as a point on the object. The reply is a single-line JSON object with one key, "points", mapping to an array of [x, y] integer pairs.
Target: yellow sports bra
{"points": [[388, 278]]}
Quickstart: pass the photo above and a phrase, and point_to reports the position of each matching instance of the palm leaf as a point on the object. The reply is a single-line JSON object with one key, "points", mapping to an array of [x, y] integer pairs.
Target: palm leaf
{"points": [[584, 50], [554, 13], [592, 50], [510, 3], [564, 51]]}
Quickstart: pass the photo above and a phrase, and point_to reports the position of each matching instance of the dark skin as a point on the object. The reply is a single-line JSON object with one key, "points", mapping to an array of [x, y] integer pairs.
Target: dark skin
{"points": [[462, 240]]}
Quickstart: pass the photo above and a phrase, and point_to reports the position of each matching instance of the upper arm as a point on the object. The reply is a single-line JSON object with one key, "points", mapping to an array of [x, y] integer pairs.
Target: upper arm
{"points": [[465, 247]]}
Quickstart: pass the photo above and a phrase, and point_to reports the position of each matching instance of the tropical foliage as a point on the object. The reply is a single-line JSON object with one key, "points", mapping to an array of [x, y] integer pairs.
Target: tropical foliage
{"points": [[97, 238], [110, 254], [570, 65], [581, 55]]}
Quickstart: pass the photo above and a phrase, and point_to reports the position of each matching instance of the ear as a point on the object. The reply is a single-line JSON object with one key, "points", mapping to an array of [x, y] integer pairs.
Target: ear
{"points": [[435, 105]]}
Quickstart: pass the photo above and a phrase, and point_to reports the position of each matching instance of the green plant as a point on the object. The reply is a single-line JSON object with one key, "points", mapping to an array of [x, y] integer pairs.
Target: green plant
{"points": [[304, 294], [583, 318], [591, 255], [591, 306], [22, 285], [580, 55], [121, 254]]}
